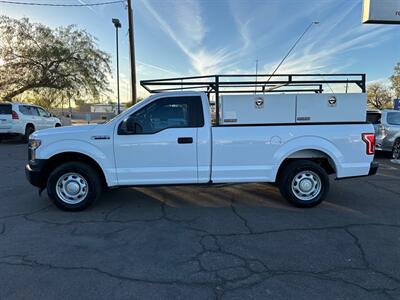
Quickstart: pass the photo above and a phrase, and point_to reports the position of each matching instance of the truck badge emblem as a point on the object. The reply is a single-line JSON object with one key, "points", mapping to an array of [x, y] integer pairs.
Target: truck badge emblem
{"points": [[332, 101], [259, 102]]}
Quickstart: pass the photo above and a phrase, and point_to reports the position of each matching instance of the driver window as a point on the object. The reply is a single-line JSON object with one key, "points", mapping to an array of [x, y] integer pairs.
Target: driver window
{"points": [[42, 112], [176, 112]]}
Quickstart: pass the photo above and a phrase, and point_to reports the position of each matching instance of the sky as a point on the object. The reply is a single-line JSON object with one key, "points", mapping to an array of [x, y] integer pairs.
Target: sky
{"points": [[202, 37]]}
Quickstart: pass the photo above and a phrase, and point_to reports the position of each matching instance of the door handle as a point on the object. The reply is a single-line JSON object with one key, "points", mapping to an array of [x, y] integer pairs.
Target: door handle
{"points": [[185, 140]]}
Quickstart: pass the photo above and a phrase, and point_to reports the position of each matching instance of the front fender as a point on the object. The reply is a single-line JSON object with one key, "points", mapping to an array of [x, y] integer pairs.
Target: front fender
{"points": [[308, 143], [104, 160]]}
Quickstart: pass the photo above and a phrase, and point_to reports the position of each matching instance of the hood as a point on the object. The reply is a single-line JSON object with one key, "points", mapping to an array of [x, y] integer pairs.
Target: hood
{"points": [[64, 130]]}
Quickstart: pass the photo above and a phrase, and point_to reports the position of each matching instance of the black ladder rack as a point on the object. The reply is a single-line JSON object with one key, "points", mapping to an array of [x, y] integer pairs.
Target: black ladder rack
{"points": [[216, 85], [251, 83]]}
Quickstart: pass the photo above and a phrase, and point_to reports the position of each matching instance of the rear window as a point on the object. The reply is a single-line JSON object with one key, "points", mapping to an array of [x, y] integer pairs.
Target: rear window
{"points": [[28, 110], [373, 118], [393, 118], [5, 109]]}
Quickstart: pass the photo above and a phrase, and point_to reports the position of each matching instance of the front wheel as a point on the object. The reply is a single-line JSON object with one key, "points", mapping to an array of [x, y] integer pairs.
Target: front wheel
{"points": [[304, 183], [74, 186], [28, 131]]}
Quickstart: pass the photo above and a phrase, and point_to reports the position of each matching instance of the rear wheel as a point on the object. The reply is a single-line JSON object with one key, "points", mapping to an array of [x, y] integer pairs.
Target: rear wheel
{"points": [[58, 125], [396, 149], [28, 131], [74, 186], [304, 183]]}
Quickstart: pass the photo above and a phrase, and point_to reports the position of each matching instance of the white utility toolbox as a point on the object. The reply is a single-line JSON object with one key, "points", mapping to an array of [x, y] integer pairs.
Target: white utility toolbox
{"points": [[293, 108]]}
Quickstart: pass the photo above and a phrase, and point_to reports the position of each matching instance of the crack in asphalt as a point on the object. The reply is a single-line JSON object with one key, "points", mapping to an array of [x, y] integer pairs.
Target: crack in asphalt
{"points": [[26, 214], [322, 275], [2, 228], [244, 220], [216, 268], [219, 278], [24, 261], [383, 188]]}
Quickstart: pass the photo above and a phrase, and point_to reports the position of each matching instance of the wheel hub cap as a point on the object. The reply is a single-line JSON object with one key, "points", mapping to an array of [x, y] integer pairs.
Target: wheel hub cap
{"points": [[306, 185], [72, 188]]}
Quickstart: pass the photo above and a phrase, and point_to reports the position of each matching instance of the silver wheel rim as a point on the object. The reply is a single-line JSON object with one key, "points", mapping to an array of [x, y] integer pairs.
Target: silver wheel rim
{"points": [[396, 151], [72, 188], [306, 185]]}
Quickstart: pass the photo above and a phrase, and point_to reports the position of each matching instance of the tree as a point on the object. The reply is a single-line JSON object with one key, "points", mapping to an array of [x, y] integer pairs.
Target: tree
{"points": [[395, 79], [130, 104], [379, 95], [47, 98], [39, 60]]}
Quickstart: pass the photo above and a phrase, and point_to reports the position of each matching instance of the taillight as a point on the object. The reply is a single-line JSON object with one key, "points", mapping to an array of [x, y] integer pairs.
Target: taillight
{"points": [[369, 139], [15, 116]]}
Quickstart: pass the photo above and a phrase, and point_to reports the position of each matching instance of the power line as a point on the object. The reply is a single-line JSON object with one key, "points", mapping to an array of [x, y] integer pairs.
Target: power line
{"points": [[61, 5], [290, 51]]}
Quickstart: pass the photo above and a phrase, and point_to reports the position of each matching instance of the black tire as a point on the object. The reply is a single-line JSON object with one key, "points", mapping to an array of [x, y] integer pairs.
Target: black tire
{"points": [[58, 125], [28, 131], [92, 181], [312, 174], [396, 149]]}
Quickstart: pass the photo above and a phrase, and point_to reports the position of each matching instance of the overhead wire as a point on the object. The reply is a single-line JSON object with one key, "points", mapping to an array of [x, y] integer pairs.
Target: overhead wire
{"points": [[61, 4]]}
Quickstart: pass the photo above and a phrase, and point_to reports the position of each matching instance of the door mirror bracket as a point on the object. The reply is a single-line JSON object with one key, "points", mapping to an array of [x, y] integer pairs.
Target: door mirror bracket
{"points": [[131, 127]]}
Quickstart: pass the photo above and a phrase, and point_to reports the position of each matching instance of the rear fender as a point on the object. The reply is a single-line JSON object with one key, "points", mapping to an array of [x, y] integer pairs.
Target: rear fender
{"points": [[308, 143]]}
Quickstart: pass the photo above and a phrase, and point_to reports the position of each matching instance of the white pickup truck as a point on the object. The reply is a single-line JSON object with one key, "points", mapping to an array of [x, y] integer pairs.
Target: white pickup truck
{"points": [[170, 139]]}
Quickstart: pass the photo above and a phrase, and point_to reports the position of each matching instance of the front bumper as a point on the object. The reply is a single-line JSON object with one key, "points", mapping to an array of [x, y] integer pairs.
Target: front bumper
{"points": [[34, 172]]}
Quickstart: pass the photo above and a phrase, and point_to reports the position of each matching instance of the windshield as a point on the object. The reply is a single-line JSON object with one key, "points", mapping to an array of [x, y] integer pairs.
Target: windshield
{"points": [[109, 121], [373, 117], [393, 118]]}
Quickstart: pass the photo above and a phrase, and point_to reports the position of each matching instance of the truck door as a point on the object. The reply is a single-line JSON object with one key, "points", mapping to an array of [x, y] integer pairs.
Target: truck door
{"points": [[157, 144]]}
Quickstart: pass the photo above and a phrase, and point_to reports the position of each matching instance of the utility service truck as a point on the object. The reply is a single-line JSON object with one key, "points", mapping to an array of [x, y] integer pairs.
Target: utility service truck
{"points": [[286, 131]]}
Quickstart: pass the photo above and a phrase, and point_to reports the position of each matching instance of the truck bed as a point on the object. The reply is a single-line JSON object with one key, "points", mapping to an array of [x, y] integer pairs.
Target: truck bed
{"points": [[254, 153]]}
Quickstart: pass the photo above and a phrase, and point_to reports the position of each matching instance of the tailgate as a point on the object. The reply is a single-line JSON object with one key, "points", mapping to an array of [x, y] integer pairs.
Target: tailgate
{"points": [[5, 116]]}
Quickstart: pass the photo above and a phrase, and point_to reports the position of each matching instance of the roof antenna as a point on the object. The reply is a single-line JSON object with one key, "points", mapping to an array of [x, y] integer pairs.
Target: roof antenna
{"points": [[290, 51], [255, 86]]}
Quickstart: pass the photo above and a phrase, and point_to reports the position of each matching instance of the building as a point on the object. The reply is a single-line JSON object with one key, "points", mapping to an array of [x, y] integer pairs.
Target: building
{"points": [[104, 108]]}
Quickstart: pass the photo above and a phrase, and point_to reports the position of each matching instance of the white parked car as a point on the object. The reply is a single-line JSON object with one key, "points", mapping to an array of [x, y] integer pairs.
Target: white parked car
{"points": [[169, 139], [22, 119]]}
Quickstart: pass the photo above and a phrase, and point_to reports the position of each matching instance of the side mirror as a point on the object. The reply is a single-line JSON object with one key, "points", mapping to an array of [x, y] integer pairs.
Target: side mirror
{"points": [[130, 125]]}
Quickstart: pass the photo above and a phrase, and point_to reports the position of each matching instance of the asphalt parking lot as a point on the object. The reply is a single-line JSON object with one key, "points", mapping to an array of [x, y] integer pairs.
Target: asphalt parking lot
{"points": [[227, 242]]}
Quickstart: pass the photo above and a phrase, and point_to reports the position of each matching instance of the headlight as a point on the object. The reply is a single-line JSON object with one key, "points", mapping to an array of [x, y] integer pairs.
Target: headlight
{"points": [[34, 144]]}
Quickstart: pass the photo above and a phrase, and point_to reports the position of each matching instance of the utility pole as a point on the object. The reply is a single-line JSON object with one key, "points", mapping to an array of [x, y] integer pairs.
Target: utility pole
{"points": [[132, 51], [117, 25]]}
